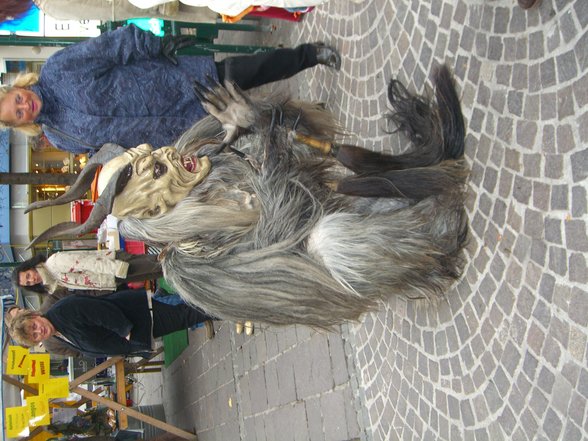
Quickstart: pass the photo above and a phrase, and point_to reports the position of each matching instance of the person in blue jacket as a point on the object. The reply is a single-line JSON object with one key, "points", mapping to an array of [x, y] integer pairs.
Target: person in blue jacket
{"points": [[127, 87]]}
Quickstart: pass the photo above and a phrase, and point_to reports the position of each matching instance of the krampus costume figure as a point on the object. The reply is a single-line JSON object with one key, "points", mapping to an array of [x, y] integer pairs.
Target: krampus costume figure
{"points": [[279, 233]]}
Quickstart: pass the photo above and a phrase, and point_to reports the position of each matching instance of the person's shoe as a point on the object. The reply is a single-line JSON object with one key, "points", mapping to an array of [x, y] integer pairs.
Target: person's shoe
{"points": [[527, 4], [209, 326], [248, 327], [328, 56], [239, 327]]}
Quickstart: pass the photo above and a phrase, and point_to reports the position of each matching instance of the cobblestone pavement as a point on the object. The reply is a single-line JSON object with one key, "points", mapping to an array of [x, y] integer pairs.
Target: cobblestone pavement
{"points": [[504, 356]]}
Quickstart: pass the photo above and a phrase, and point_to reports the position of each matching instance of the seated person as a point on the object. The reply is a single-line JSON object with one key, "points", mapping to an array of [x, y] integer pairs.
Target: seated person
{"points": [[123, 323]]}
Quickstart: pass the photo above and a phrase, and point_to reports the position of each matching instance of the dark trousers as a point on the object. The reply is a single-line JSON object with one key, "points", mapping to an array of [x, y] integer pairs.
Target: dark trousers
{"points": [[249, 71], [141, 267], [172, 318]]}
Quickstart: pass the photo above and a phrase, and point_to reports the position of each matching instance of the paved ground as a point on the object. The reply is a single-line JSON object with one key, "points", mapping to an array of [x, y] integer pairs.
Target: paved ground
{"points": [[504, 358]]}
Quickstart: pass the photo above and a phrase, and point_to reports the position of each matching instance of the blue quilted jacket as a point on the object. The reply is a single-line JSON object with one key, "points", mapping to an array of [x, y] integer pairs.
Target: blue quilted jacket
{"points": [[118, 88]]}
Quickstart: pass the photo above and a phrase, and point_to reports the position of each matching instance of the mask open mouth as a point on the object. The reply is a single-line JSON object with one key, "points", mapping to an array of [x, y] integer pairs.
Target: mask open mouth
{"points": [[191, 163]]}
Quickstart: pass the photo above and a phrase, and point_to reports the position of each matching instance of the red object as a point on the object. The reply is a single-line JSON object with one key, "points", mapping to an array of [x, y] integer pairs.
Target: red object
{"points": [[134, 247], [280, 13], [80, 210]]}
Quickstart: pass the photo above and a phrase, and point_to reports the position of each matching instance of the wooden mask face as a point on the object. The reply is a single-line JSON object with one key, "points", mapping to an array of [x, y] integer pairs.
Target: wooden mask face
{"points": [[159, 180]]}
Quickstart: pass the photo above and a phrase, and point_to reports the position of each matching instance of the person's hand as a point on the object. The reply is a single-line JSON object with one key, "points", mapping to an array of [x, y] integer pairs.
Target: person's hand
{"points": [[171, 44]]}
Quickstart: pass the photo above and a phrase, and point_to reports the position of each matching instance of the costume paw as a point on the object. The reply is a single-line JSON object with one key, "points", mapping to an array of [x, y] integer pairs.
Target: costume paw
{"points": [[228, 104]]}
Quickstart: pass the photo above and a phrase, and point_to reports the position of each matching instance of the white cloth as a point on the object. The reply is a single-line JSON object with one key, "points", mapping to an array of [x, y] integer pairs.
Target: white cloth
{"points": [[118, 10], [231, 8], [83, 270]]}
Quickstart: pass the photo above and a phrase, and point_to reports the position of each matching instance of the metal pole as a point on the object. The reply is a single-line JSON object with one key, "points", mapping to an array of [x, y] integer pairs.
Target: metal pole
{"points": [[19, 40]]}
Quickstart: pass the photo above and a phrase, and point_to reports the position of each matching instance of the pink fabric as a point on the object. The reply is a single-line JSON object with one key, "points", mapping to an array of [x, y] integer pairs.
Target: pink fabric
{"points": [[279, 13]]}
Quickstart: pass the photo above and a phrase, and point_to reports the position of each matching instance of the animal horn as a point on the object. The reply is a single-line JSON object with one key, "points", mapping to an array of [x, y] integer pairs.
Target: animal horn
{"points": [[84, 180], [101, 209]]}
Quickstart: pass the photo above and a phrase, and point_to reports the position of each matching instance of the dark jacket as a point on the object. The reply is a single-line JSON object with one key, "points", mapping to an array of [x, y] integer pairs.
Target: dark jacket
{"points": [[54, 345], [118, 88], [98, 326]]}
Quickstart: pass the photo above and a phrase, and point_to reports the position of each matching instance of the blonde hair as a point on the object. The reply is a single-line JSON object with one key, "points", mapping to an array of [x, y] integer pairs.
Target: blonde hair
{"points": [[23, 81], [18, 327], [8, 317]]}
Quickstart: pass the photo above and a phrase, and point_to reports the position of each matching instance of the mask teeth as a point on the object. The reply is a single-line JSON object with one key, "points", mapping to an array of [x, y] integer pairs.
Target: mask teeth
{"points": [[189, 163]]}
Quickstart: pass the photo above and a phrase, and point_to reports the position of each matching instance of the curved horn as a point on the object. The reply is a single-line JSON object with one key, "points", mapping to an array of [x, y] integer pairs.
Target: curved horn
{"points": [[84, 180], [101, 209]]}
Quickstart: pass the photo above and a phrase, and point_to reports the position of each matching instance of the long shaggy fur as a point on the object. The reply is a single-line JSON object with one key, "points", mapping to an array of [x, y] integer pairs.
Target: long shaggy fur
{"points": [[268, 239]]}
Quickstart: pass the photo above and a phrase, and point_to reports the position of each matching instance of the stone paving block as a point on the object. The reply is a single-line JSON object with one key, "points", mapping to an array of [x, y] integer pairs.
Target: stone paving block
{"points": [[303, 333], [547, 287], [548, 106], [292, 419], [583, 130], [245, 357], [208, 435], [571, 372], [548, 139], [245, 396], [223, 371], [576, 238], [579, 307], [577, 345], [553, 231], [579, 163], [542, 313], [249, 431], [338, 359], [522, 189], [572, 432], [578, 268], [541, 196], [581, 52], [314, 419], [333, 405], [260, 429], [565, 108], [579, 201], [577, 408], [538, 252], [560, 331], [286, 337], [558, 260], [545, 380], [271, 342], [531, 113], [529, 424], [321, 369], [562, 394], [552, 425], [547, 69], [272, 384], [258, 390], [553, 166], [501, 381], [286, 380], [226, 409], [516, 401]]}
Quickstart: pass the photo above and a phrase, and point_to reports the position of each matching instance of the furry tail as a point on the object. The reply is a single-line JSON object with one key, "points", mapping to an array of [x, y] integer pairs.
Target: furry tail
{"points": [[449, 110], [436, 130]]}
